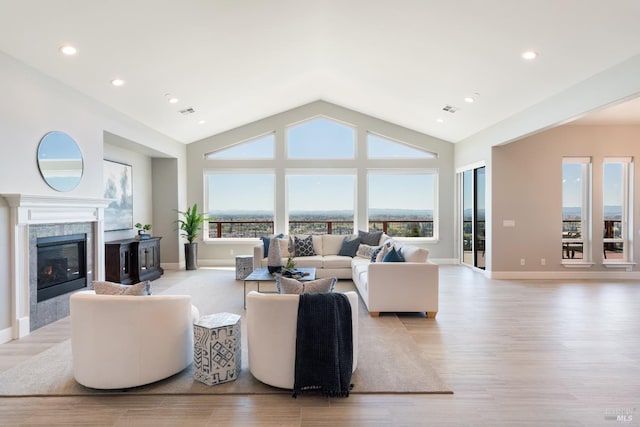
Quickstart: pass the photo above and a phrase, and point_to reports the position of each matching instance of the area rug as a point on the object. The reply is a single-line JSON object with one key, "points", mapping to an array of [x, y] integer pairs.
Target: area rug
{"points": [[389, 360]]}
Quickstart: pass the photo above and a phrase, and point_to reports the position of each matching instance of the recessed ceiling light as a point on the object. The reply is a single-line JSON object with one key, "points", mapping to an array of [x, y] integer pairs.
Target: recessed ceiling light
{"points": [[173, 100], [529, 55], [117, 82], [201, 122], [469, 99], [68, 50], [440, 120]]}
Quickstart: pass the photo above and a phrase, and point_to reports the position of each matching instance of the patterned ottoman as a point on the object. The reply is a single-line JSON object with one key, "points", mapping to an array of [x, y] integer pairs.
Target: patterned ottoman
{"points": [[216, 348]]}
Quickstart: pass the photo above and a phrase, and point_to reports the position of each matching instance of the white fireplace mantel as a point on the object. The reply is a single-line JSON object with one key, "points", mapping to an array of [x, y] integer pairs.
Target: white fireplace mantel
{"points": [[29, 210]]}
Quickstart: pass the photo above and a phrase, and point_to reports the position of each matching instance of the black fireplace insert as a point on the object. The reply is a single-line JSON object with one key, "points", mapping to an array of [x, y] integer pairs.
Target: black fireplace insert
{"points": [[62, 265]]}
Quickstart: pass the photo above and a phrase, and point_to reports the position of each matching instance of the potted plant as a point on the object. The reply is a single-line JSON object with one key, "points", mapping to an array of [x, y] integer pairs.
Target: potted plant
{"points": [[190, 224], [289, 268], [143, 231]]}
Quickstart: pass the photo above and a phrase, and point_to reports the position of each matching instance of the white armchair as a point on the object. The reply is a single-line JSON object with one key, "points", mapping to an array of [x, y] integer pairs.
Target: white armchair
{"points": [[121, 341], [271, 336]]}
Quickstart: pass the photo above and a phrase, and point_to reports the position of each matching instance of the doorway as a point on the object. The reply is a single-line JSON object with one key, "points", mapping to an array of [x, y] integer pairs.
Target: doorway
{"points": [[473, 217]]}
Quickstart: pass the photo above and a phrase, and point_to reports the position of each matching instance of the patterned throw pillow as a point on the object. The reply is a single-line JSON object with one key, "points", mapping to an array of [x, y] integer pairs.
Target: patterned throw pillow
{"points": [[111, 288], [293, 286], [371, 238], [304, 247], [374, 254], [349, 247], [365, 251]]}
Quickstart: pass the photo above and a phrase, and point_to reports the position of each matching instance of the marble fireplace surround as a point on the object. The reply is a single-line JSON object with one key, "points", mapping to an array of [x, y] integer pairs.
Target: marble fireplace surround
{"points": [[29, 213]]}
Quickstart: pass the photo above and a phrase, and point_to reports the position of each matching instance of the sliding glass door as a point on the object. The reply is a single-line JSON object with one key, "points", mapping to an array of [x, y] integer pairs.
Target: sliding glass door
{"points": [[473, 219]]}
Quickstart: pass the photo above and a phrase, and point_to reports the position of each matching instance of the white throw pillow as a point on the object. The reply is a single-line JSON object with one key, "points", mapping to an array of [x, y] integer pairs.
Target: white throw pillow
{"points": [[293, 286]]}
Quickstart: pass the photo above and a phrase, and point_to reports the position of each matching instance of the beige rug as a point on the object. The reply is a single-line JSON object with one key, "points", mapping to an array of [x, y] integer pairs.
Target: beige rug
{"points": [[388, 362]]}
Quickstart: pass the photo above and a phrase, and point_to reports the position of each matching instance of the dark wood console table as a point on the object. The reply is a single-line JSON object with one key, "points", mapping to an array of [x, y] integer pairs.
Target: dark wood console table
{"points": [[130, 261]]}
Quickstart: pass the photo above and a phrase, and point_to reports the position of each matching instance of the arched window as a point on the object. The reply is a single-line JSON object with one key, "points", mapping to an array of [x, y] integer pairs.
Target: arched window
{"points": [[321, 138]]}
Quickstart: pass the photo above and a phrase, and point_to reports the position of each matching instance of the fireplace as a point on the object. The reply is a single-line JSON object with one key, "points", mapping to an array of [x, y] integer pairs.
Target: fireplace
{"points": [[31, 218], [62, 266]]}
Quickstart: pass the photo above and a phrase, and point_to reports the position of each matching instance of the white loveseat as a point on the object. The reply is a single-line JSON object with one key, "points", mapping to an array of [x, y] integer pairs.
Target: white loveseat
{"points": [[122, 341], [271, 336], [410, 286]]}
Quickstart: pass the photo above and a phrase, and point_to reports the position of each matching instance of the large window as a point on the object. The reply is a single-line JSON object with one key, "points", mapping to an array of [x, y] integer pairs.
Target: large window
{"points": [[315, 176], [240, 204], [321, 138], [616, 174], [576, 190], [403, 203], [321, 203]]}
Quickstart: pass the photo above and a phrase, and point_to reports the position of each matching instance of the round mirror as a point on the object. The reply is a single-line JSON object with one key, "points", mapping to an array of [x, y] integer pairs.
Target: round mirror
{"points": [[60, 161]]}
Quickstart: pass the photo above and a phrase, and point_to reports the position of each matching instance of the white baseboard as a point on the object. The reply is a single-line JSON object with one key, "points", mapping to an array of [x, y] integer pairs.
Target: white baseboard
{"points": [[172, 265], [5, 335], [563, 275], [445, 261], [217, 262]]}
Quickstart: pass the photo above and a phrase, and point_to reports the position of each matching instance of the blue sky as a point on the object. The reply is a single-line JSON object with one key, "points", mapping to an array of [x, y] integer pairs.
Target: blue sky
{"points": [[612, 174]]}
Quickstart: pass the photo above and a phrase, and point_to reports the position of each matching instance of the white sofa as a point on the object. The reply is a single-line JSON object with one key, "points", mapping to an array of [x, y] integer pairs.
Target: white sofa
{"points": [[327, 262], [271, 336], [410, 286], [122, 341]]}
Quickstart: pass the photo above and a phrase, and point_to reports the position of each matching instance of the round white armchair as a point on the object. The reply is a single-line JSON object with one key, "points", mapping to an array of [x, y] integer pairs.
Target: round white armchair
{"points": [[121, 341], [271, 336]]}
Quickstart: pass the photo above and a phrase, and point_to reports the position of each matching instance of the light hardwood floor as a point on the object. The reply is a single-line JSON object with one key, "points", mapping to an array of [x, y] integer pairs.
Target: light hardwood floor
{"points": [[515, 353]]}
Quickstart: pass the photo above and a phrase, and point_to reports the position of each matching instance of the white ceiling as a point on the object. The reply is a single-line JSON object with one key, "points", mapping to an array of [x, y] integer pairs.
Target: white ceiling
{"points": [[236, 61]]}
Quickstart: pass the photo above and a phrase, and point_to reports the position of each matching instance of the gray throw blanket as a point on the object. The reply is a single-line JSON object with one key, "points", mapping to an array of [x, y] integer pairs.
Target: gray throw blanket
{"points": [[324, 345]]}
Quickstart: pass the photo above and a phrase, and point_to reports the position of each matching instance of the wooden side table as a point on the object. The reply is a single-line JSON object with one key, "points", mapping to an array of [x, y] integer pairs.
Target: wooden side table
{"points": [[217, 353]]}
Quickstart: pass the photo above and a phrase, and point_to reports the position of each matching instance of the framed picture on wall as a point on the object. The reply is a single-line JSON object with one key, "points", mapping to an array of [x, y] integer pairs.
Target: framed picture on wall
{"points": [[118, 189]]}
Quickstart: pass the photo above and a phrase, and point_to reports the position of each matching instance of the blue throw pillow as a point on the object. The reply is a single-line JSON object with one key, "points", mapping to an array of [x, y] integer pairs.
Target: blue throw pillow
{"points": [[267, 240], [393, 256], [349, 247]]}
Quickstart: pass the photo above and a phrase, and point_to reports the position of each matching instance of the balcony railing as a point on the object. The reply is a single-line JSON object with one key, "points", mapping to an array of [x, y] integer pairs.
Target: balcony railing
{"points": [[573, 245], [240, 229], [256, 229]]}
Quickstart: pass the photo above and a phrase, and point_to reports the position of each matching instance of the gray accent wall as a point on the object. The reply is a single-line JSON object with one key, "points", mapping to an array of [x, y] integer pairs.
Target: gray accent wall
{"points": [[165, 196]]}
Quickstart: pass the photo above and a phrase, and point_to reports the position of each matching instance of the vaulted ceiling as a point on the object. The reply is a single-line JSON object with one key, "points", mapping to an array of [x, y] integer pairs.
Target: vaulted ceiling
{"points": [[234, 61]]}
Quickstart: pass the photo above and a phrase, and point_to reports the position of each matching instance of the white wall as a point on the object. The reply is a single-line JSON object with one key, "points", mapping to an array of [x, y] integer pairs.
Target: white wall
{"points": [[220, 251], [33, 104]]}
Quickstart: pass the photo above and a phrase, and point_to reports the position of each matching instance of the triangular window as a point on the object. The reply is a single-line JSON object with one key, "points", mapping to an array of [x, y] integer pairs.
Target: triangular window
{"points": [[379, 147], [262, 147], [321, 138]]}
